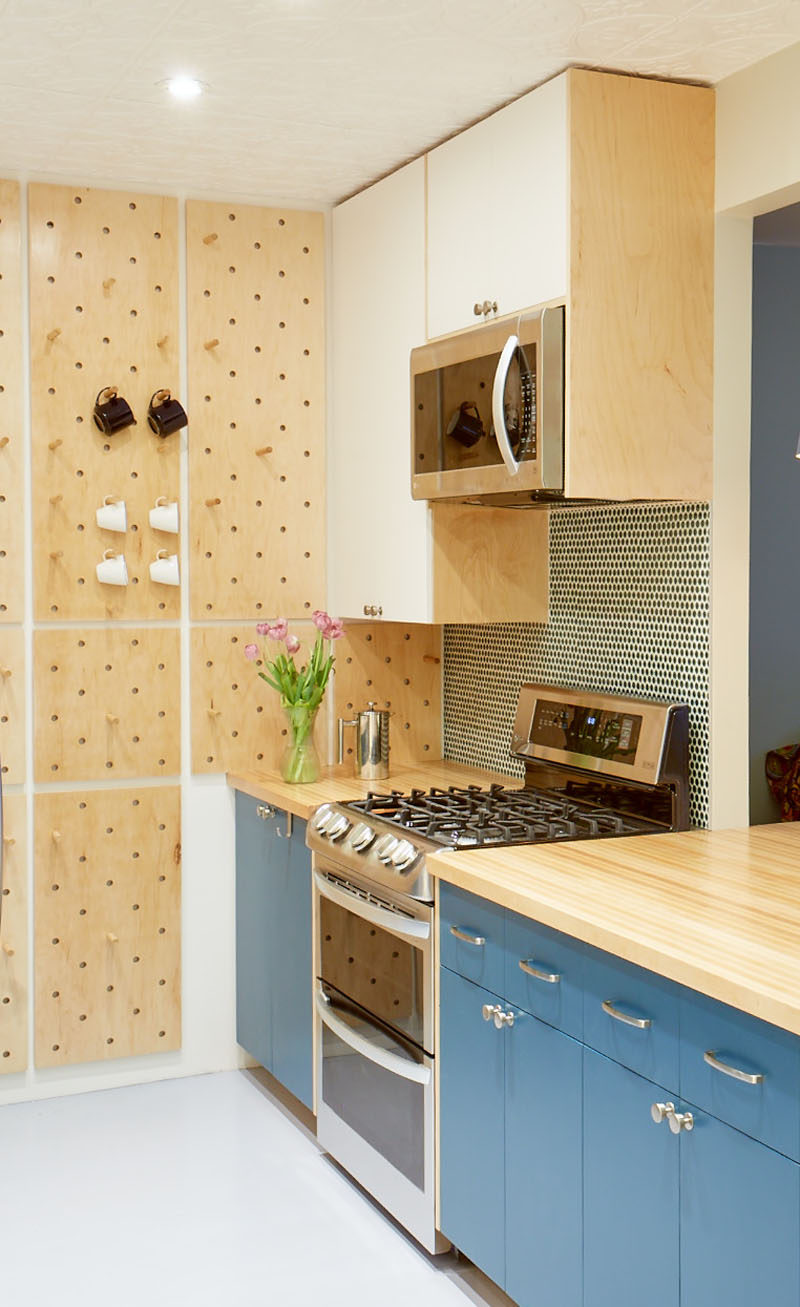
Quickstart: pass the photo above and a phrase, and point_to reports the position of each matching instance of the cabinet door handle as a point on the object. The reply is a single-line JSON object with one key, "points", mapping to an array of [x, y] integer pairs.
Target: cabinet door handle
{"points": [[680, 1121], [747, 1077], [641, 1023], [287, 834], [265, 812], [549, 977], [661, 1111], [467, 936], [490, 1010]]}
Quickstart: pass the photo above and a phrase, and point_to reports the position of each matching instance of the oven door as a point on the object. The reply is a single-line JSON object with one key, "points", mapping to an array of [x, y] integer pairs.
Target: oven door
{"points": [[377, 950], [375, 1111]]}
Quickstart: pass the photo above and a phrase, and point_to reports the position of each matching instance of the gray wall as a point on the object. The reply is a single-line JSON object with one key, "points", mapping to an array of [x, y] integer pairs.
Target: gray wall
{"points": [[774, 516]]}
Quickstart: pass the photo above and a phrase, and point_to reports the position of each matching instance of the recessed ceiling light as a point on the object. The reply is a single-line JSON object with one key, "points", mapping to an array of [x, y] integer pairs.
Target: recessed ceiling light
{"points": [[183, 87]]}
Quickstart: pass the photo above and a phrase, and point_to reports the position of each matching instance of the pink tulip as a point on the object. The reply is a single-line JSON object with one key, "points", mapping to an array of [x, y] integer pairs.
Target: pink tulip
{"points": [[279, 629], [292, 644], [251, 652], [262, 628], [321, 620], [335, 629]]}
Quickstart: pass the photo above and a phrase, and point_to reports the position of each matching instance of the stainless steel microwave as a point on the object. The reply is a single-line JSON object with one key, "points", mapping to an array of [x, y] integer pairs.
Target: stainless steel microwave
{"points": [[487, 413]]}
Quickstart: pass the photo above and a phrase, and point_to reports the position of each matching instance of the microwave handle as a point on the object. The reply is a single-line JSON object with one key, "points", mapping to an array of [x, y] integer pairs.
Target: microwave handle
{"points": [[498, 410], [399, 1066]]}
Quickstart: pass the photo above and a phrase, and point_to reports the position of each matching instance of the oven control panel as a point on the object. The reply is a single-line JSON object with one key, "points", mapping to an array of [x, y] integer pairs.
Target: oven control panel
{"points": [[371, 849], [591, 730]]}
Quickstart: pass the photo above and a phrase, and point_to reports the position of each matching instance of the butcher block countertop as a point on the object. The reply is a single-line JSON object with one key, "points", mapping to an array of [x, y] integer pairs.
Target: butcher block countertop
{"points": [[337, 785], [717, 911]]}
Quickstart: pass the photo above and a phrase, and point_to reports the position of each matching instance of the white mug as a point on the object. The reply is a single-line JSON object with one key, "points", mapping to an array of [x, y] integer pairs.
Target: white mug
{"points": [[113, 570], [164, 569], [164, 515], [112, 514]]}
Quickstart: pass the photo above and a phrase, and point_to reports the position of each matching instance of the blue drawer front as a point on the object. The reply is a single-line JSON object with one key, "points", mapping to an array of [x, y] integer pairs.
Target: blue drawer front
{"points": [[769, 1111], [652, 1051], [558, 1002], [482, 962]]}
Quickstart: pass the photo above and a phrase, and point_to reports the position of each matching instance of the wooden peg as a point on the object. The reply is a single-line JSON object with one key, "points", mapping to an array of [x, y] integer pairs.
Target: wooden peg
{"points": [[214, 712], [112, 718], [210, 238], [56, 499], [109, 282], [8, 950], [55, 554], [54, 334], [5, 672], [111, 937], [265, 449], [429, 658], [4, 441], [162, 342], [212, 503], [56, 836], [10, 840], [54, 444], [211, 344]]}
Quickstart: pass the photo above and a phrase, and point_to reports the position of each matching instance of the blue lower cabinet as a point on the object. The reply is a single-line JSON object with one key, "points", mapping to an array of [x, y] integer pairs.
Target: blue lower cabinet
{"points": [[292, 1013], [544, 1141], [740, 1220], [273, 944], [631, 1186], [472, 1125]]}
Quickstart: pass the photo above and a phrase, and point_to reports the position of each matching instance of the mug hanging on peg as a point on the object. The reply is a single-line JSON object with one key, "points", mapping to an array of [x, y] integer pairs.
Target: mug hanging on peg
{"points": [[112, 413], [112, 515], [165, 414]]}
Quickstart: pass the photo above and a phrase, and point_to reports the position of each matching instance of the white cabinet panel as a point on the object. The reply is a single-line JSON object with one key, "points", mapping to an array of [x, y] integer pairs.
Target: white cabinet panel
{"points": [[497, 211], [379, 538]]}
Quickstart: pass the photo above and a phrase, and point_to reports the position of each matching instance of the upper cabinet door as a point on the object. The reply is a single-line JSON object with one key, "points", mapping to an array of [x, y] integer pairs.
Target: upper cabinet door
{"points": [[497, 212], [379, 537]]}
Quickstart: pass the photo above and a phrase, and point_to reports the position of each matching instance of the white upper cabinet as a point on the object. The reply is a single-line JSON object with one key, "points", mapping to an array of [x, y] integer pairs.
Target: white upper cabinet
{"points": [[379, 538], [497, 212]]}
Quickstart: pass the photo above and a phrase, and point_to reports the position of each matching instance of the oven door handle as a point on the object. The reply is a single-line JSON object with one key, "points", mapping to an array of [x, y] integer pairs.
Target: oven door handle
{"points": [[399, 1066], [392, 921]]}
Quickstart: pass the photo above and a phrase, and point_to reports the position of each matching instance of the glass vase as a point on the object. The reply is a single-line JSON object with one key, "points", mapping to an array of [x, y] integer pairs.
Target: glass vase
{"points": [[300, 761]]}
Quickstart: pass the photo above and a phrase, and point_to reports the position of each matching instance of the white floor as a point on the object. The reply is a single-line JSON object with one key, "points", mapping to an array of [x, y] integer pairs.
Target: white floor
{"points": [[201, 1191]]}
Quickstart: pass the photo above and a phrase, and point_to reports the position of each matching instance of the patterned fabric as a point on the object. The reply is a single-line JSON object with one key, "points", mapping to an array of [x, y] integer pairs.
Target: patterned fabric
{"points": [[782, 767]]}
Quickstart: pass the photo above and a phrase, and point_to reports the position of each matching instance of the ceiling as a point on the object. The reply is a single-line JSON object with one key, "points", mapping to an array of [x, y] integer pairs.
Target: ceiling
{"points": [[309, 100]]}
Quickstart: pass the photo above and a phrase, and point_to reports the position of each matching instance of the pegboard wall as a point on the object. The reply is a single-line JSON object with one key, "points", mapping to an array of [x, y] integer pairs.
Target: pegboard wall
{"points": [[237, 720], [12, 572], [107, 703], [12, 705], [256, 386], [107, 936], [103, 312], [629, 614], [14, 939]]}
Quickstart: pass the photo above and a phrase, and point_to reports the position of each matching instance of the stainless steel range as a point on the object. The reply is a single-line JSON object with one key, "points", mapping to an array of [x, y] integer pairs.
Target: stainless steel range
{"points": [[596, 767]]}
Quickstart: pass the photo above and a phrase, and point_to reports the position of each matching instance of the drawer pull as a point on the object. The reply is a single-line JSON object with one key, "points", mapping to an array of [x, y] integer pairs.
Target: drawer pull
{"points": [[549, 977], [727, 1070], [641, 1023], [467, 936]]}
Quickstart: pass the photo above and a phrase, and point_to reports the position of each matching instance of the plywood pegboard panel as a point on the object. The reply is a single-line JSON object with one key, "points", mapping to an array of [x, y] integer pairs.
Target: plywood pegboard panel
{"points": [[107, 703], [12, 705], [14, 939], [107, 924], [104, 311], [12, 569], [237, 719], [256, 386], [399, 667]]}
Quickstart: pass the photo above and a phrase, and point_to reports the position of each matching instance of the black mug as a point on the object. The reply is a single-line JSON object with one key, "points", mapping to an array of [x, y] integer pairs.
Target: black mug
{"points": [[112, 413], [165, 414], [465, 425]]}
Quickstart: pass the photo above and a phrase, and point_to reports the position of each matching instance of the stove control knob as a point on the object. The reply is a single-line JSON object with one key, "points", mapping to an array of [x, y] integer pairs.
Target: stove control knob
{"points": [[362, 837], [404, 855], [322, 817], [385, 847], [338, 827]]}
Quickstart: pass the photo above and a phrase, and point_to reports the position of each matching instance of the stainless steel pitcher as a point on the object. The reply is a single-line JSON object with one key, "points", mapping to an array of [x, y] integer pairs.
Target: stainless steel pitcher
{"points": [[372, 742]]}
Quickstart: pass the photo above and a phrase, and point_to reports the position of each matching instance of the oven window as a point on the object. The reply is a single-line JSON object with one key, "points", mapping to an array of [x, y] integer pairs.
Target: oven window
{"points": [[385, 1110], [374, 968]]}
